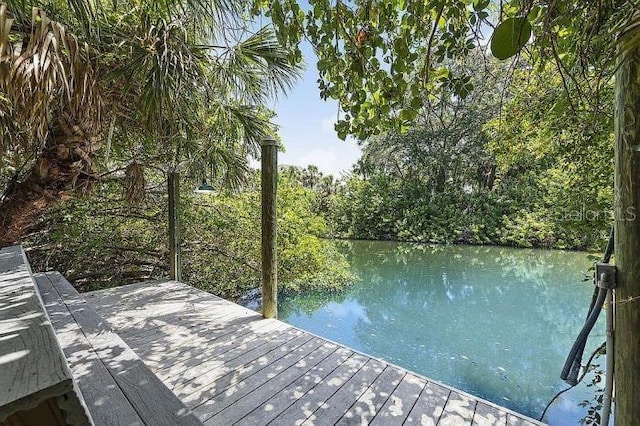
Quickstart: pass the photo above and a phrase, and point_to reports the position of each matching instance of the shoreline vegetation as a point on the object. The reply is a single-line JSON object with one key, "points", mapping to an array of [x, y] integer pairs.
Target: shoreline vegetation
{"points": [[428, 243], [512, 167], [101, 240]]}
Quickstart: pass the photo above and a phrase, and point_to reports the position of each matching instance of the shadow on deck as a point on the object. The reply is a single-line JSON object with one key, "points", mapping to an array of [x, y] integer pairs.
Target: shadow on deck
{"points": [[230, 366]]}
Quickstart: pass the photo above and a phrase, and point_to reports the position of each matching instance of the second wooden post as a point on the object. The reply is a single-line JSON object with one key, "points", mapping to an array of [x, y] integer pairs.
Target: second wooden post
{"points": [[269, 228], [173, 187]]}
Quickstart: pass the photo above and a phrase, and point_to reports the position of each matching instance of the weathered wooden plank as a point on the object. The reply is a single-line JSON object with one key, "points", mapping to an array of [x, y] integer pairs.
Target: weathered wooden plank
{"points": [[138, 318], [111, 297], [204, 360], [429, 406], [458, 410], [134, 311], [266, 411], [11, 259], [196, 319], [488, 415], [193, 305], [146, 393], [232, 383], [103, 397], [60, 317], [400, 403], [516, 420], [175, 334], [372, 400], [32, 366], [226, 351], [334, 408], [308, 403], [240, 342], [156, 351], [115, 300], [230, 405], [199, 382]]}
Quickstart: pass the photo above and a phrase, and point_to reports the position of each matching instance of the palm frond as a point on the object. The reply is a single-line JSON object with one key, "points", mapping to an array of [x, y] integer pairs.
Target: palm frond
{"points": [[44, 68], [256, 68], [166, 68], [220, 162], [206, 11]]}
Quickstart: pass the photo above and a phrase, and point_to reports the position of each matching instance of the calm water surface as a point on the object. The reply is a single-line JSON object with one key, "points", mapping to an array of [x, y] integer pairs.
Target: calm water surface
{"points": [[495, 322]]}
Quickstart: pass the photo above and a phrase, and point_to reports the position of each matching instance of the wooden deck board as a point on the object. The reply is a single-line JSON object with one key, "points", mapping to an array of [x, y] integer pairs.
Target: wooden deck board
{"points": [[458, 410], [156, 328], [153, 402], [333, 408], [145, 309], [487, 415], [430, 405], [307, 404], [32, 365], [236, 381], [515, 420], [374, 398], [244, 341], [99, 390], [277, 384], [234, 330], [401, 402], [223, 406], [175, 336], [280, 401], [232, 367], [198, 383]]}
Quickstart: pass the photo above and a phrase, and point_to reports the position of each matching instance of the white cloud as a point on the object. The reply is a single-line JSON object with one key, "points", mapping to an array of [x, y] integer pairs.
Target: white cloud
{"points": [[333, 159], [330, 159]]}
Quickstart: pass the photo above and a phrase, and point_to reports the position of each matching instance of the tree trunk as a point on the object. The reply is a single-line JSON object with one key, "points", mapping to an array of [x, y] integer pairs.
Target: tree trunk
{"points": [[64, 163], [627, 232]]}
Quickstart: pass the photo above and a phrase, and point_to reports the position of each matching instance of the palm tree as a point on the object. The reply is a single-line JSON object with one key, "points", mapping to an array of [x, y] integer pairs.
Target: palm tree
{"points": [[183, 81]]}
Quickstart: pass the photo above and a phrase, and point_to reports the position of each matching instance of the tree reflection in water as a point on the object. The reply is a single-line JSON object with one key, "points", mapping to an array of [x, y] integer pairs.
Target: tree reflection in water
{"points": [[493, 321]]}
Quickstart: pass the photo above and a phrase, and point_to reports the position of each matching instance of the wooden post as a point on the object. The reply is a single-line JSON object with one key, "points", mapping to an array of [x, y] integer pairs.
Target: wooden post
{"points": [[173, 187], [269, 228], [627, 231]]}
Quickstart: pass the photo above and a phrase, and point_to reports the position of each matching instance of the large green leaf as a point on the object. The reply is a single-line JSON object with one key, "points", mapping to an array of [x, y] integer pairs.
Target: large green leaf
{"points": [[510, 37]]}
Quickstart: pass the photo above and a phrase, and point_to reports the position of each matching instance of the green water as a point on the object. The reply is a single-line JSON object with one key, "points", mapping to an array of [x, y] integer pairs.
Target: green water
{"points": [[492, 321]]}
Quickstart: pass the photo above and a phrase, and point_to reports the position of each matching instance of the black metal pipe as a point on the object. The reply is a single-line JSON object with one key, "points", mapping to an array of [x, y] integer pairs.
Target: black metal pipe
{"points": [[577, 357], [572, 364]]}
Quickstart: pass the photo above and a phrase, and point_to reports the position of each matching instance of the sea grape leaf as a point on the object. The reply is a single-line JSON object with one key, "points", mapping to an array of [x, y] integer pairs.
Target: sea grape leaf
{"points": [[510, 37]]}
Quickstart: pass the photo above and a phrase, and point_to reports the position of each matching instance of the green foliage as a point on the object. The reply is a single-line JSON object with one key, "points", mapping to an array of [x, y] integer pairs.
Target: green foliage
{"points": [[535, 173], [168, 85], [510, 37], [305, 260], [102, 241], [382, 59]]}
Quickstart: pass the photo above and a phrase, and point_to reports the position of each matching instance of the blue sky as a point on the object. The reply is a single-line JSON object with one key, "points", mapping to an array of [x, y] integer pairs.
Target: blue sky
{"points": [[306, 126]]}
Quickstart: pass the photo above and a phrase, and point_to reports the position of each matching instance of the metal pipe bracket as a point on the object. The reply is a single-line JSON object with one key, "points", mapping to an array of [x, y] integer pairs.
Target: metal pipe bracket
{"points": [[605, 276]]}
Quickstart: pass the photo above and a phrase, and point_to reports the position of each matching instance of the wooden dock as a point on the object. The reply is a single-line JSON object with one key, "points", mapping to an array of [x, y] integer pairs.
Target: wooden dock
{"points": [[230, 366]]}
